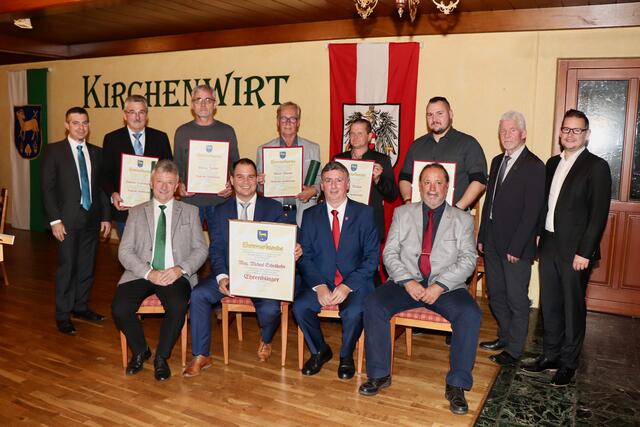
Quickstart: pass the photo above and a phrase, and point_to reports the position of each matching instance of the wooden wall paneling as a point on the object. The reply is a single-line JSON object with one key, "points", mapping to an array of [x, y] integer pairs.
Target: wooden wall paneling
{"points": [[631, 268], [602, 273]]}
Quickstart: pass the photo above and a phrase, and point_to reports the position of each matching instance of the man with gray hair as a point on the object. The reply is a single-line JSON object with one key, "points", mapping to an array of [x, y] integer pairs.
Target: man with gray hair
{"points": [[507, 236], [204, 128], [135, 138]]}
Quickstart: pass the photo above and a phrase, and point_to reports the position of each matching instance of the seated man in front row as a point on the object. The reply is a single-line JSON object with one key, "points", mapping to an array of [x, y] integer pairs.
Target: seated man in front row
{"points": [[341, 251], [430, 252], [246, 205], [161, 249]]}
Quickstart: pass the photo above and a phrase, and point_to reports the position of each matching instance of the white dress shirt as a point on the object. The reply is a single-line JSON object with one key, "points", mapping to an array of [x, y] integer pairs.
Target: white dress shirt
{"points": [[341, 209], [556, 185]]}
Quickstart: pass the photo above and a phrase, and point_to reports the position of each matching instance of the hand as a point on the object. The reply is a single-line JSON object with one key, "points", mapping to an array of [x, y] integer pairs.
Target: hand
{"points": [[117, 201], [414, 289], [297, 253], [340, 293], [325, 296], [580, 263], [182, 190], [377, 171], [168, 276], [260, 178], [154, 277], [105, 228], [480, 248], [228, 191], [58, 231], [432, 293], [223, 286], [512, 259], [307, 193]]}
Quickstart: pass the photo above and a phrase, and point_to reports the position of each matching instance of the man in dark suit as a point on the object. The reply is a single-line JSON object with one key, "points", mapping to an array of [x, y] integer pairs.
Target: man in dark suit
{"points": [[429, 254], [507, 236], [246, 205], [135, 138], [77, 211], [578, 191], [162, 249], [341, 252]]}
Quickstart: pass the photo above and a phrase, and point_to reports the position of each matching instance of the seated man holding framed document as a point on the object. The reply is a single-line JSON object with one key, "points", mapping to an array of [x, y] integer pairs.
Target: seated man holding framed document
{"points": [[246, 205]]}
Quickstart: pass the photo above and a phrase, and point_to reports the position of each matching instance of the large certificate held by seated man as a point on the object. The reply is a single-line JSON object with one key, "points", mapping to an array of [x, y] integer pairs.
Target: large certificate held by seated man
{"points": [[418, 165], [261, 259], [135, 177], [282, 167], [360, 178], [207, 171]]}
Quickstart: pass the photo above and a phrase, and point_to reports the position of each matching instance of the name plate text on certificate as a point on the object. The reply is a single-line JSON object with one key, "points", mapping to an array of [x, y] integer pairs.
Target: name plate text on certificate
{"points": [[261, 259], [208, 166], [360, 177], [415, 186], [135, 179], [282, 168]]}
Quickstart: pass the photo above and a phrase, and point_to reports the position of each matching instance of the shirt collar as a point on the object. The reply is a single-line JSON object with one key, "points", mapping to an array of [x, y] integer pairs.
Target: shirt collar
{"points": [[514, 156], [74, 142], [282, 143], [436, 211], [574, 156], [252, 201], [131, 132], [169, 204], [340, 209]]}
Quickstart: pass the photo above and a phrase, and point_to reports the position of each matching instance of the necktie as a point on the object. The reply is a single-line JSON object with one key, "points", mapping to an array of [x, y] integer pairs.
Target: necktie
{"points": [[245, 207], [427, 241], [85, 193], [137, 145], [335, 229], [501, 173], [161, 240]]}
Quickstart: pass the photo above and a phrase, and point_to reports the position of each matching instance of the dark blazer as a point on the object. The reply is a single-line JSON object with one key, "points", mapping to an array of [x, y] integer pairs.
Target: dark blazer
{"points": [[265, 210], [358, 252], [516, 207], [115, 143], [582, 208], [61, 186], [385, 189]]}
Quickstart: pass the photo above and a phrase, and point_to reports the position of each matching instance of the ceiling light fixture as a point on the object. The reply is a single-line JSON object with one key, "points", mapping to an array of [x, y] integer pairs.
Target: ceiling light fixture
{"points": [[365, 7], [24, 23]]}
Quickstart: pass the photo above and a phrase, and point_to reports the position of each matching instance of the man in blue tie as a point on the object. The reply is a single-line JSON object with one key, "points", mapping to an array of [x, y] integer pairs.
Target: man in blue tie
{"points": [[77, 211]]}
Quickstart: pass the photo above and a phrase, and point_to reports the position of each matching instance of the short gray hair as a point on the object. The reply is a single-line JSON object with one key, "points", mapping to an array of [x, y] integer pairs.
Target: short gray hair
{"points": [[166, 166], [290, 104], [136, 98], [203, 88], [516, 116]]}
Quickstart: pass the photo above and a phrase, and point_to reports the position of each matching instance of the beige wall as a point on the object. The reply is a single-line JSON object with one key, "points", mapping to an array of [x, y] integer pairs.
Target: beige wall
{"points": [[483, 75]]}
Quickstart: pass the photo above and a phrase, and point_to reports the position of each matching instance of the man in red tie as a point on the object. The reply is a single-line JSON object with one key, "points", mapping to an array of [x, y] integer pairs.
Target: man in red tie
{"points": [[429, 254], [341, 249]]}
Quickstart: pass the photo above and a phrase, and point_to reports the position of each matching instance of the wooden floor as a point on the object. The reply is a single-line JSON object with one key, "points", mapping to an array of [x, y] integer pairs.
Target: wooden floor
{"points": [[47, 378]]}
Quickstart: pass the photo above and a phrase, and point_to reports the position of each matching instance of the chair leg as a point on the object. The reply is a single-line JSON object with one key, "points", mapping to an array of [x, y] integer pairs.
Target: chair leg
{"points": [[392, 324], [4, 273], [360, 352], [123, 346], [183, 340], [408, 339], [300, 348], [284, 330], [225, 333], [239, 325]]}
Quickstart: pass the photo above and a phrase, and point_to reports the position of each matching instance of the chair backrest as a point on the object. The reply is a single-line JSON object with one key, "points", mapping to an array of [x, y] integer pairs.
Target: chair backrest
{"points": [[4, 198]]}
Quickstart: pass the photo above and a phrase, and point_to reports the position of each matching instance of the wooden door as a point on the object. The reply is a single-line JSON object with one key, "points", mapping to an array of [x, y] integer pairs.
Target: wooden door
{"points": [[608, 92]]}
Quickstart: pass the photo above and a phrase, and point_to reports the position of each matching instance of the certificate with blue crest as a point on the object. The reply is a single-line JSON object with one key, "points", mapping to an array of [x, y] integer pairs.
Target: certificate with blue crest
{"points": [[360, 178], [208, 168], [282, 167], [135, 179], [261, 259]]}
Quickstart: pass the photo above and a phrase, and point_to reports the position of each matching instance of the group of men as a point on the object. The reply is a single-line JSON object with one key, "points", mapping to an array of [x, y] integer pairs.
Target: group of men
{"points": [[429, 251]]}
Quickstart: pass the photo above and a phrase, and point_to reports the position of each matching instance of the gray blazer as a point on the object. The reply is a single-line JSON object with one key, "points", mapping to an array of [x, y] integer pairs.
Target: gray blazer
{"points": [[311, 152], [453, 256], [187, 240]]}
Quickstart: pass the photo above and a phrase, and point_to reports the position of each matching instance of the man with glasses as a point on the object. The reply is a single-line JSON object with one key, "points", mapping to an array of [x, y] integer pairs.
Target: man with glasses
{"points": [[205, 128], [578, 194], [288, 122], [134, 138]]}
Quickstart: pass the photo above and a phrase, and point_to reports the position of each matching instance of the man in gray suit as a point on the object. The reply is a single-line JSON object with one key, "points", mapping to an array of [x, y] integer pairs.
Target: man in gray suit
{"points": [[429, 254], [288, 122], [161, 249]]}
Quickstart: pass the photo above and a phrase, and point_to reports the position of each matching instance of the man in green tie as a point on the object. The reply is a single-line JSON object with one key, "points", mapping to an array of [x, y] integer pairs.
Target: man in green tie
{"points": [[162, 249]]}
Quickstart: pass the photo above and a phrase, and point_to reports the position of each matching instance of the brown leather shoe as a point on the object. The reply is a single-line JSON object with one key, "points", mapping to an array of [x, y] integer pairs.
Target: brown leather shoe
{"points": [[264, 351], [197, 364]]}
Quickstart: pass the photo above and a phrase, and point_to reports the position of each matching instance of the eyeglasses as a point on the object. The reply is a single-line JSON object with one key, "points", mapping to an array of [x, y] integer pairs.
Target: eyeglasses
{"points": [[203, 100], [292, 120], [329, 181], [575, 131], [136, 113]]}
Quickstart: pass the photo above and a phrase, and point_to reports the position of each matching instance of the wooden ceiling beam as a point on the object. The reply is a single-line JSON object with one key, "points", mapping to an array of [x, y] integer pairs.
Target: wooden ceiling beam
{"points": [[24, 46], [26, 6]]}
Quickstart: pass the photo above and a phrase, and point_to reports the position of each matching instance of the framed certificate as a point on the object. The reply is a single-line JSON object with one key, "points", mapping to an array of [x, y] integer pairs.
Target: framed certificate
{"points": [[417, 168], [208, 168], [261, 259], [361, 177], [135, 179], [282, 167]]}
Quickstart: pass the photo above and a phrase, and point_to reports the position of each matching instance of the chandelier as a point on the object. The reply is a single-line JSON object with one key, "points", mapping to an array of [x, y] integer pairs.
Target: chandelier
{"points": [[365, 7]]}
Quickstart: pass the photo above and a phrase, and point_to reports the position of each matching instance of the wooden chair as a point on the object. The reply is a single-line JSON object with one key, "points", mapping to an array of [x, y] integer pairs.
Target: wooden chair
{"points": [[4, 204], [241, 305], [330, 311], [152, 305]]}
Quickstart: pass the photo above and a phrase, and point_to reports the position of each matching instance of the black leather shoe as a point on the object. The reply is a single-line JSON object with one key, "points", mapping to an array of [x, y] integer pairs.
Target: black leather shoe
{"points": [[346, 369], [563, 377], [492, 345], [137, 362], [66, 327], [89, 315], [315, 362], [539, 364], [161, 369], [457, 403], [373, 385], [504, 359]]}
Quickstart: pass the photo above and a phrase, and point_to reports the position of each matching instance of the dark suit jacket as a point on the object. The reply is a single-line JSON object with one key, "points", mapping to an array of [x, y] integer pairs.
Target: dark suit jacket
{"points": [[358, 252], [61, 186], [265, 210], [582, 208], [385, 189], [516, 207], [117, 142]]}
